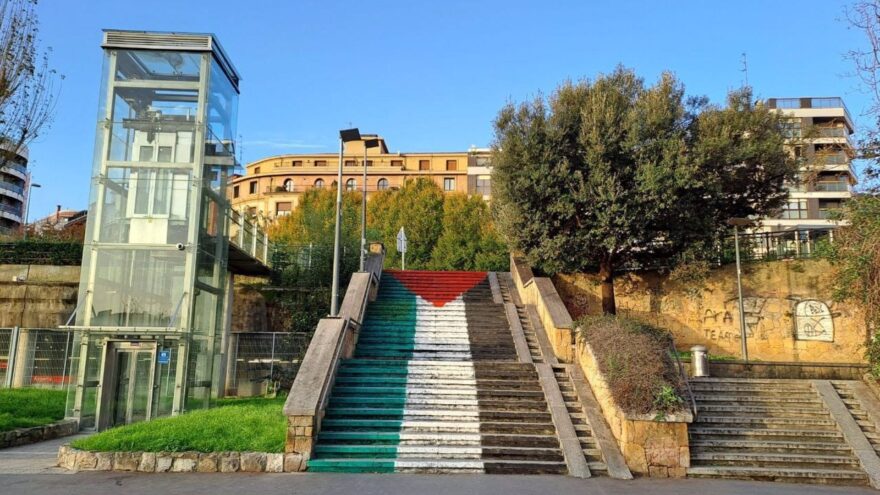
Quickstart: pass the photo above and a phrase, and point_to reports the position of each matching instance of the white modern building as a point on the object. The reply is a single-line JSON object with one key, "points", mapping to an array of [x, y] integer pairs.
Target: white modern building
{"points": [[820, 132]]}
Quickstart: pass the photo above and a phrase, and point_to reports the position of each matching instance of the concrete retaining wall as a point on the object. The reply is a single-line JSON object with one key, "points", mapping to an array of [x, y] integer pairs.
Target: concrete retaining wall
{"points": [[25, 436], [179, 462], [790, 315]]}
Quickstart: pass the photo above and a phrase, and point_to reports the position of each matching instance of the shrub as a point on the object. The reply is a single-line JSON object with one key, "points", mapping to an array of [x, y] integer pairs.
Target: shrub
{"points": [[636, 361]]}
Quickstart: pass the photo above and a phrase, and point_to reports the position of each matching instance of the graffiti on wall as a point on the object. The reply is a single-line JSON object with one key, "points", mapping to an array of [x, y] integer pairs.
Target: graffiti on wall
{"points": [[813, 321]]}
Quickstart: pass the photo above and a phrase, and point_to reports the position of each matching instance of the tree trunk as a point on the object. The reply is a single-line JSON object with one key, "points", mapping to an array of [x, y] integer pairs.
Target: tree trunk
{"points": [[606, 275]]}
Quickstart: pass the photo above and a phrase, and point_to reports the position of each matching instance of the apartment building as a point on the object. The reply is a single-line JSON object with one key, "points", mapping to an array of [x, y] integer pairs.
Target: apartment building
{"points": [[272, 186], [14, 180], [820, 134]]}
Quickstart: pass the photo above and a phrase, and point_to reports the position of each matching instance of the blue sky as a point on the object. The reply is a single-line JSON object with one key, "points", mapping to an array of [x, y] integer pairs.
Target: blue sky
{"points": [[430, 76]]}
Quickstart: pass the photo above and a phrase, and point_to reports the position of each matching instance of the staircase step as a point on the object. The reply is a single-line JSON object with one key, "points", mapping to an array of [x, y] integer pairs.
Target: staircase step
{"points": [[830, 476]]}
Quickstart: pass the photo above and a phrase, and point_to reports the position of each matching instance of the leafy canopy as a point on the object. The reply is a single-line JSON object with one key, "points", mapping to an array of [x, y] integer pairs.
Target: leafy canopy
{"points": [[612, 171]]}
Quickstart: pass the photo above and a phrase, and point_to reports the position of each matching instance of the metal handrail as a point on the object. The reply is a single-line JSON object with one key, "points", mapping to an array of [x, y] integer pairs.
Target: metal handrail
{"points": [[684, 378]]}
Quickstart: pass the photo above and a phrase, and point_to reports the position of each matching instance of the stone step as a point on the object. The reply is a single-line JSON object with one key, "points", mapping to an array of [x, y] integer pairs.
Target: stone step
{"points": [[780, 446], [767, 459], [380, 425], [438, 382], [437, 438], [428, 466], [791, 475], [701, 431], [445, 402], [437, 452], [433, 414], [341, 391], [768, 409], [733, 399], [812, 422]]}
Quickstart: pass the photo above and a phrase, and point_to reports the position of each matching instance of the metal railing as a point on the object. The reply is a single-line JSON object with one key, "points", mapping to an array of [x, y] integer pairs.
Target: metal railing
{"points": [[246, 232], [265, 362], [35, 358], [770, 246]]}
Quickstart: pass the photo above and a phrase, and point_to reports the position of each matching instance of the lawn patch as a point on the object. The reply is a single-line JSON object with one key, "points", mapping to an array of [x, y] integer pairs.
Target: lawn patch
{"points": [[28, 407], [239, 425]]}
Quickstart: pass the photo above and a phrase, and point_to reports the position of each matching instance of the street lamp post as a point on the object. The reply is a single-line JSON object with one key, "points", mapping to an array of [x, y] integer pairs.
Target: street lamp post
{"points": [[27, 206], [737, 223], [368, 143], [345, 136]]}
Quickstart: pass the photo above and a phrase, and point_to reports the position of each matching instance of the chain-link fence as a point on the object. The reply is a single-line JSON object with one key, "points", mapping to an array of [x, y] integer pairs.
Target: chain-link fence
{"points": [[264, 362], [35, 358]]}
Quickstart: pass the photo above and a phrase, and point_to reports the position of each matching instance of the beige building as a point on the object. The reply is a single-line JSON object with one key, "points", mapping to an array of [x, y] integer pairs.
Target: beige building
{"points": [[272, 186], [820, 133]]}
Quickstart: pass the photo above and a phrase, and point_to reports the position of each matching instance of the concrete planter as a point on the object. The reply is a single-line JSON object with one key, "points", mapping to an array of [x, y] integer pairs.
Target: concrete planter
{"points": [[179, 462], [25, 436]]}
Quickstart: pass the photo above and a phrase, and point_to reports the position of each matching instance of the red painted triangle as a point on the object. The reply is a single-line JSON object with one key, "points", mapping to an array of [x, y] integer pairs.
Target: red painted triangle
{"points": [[438, 288]]}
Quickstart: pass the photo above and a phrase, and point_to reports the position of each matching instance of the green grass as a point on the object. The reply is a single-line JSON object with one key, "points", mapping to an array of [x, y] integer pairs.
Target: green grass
{"points": [[254, 424], [27, 407]]}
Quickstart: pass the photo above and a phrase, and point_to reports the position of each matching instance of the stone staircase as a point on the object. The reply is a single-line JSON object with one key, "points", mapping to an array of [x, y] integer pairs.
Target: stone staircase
{"points": [[768, 429], [435, 386], [588, 444]]}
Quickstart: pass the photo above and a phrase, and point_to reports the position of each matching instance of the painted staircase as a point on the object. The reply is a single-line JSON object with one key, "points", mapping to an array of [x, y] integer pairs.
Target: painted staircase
{"points": [[768, 429], [435, 386]]}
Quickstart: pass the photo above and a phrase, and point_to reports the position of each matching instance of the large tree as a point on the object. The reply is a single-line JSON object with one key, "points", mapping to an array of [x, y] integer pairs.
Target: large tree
{"points": [[611, 171], [417, 207], [469, 240]]}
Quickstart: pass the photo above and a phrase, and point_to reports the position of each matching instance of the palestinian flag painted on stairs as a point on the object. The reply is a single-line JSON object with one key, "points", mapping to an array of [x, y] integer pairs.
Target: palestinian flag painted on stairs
{"points": [[433, 355]]}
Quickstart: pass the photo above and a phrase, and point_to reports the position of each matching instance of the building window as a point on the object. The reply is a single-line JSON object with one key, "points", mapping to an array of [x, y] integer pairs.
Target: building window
{"points": [[449, 184], [828, 207], [350, 185], [424, 164], [288, 185], [350, 163], [297, 163], [235, 192], [451, 165], [795, 209], [252, 187], [145, 154], [256, 170], [382, 184], [283, 208], [320, 163], [319, 184], [165, 154], [484, 185], [397, 163]]}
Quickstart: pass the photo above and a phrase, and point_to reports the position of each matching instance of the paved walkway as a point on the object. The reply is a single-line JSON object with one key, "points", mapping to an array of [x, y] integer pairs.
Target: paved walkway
{"points": [[36, 458], [30, 470], [379, 484]]}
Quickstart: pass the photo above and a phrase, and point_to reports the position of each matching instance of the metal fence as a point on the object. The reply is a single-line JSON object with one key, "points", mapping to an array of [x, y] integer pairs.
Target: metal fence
{"points": [[771, 246], [264, 362], [35, 358]]}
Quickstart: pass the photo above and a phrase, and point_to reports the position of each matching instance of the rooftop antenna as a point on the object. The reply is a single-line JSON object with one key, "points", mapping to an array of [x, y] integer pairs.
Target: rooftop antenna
{"points": [[745, 68]]}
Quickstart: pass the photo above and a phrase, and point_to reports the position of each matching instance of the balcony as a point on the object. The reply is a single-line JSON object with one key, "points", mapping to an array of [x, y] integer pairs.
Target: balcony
{"points": [[797, 103], [16, 170], [839, 158], [13, 188], [836, 186]]}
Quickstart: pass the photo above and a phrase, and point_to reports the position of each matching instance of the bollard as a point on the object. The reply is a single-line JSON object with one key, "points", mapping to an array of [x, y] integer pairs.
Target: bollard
{"points": [[700, 361]]}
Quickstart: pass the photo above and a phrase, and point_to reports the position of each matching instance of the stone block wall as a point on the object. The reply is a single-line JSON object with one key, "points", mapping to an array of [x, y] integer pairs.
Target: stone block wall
{"points": [[652, 445], [789, 312]]}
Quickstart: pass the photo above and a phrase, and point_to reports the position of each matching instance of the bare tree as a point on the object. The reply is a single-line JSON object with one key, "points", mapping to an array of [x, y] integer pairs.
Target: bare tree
{"points": [[864, 16], [28, 87]]}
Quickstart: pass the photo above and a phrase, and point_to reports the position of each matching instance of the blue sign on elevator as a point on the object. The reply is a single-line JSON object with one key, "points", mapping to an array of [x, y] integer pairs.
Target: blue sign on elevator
{"points": [[164, 356]]}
